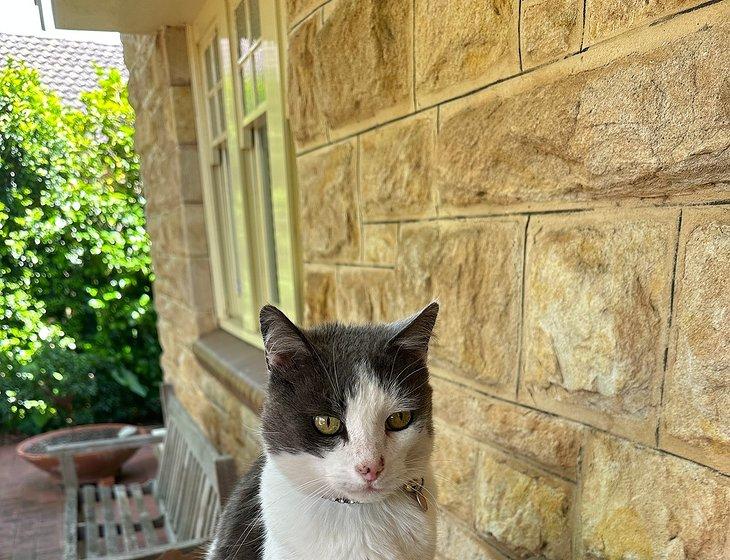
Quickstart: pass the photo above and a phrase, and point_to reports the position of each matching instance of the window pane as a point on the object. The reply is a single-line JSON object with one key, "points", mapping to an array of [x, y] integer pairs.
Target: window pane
{"points": [[227, 236], [215, 60], [262, 163], [244, 38], [247, 82], [221, 109], [258, 57], [255, 21], [214, 116], [209, 66]]}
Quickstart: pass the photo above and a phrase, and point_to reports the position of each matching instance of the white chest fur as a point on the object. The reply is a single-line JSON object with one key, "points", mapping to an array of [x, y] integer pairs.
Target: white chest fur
{"points": [[303, 527]]}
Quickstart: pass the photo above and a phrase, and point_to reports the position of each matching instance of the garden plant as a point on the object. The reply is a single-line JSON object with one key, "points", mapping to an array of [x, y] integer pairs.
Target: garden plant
{"points": [[78, 342]]}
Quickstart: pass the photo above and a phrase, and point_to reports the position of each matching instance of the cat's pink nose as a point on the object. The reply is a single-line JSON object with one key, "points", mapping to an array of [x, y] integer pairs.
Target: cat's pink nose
{"points": [[370, 470]]}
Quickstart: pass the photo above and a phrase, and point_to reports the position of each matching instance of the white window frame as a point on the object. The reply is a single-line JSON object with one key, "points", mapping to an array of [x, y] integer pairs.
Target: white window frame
{"points": [[253, 238]]}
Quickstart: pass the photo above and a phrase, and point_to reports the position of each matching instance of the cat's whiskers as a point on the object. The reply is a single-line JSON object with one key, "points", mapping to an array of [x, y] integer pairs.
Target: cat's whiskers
{"points": [[315, 498], [259, 429]]}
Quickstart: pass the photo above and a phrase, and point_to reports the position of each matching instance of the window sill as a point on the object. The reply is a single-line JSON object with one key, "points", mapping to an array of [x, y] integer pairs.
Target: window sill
{"points": [[240, 367]]}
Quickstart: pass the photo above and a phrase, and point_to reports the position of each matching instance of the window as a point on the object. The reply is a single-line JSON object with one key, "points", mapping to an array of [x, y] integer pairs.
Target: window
{"points": [[244, 157]]}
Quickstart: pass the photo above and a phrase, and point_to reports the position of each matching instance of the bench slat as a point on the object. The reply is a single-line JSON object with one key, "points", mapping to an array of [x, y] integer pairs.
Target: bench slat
{"points": [[196, 511], [110, 526], [198, 530], [68, 471], [91, 532], [70, 530], [129, 536], [148, 530], [186, 509]]}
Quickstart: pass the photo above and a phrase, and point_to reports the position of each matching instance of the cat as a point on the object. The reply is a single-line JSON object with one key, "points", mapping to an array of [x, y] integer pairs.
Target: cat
{"points": [[348, 435]]}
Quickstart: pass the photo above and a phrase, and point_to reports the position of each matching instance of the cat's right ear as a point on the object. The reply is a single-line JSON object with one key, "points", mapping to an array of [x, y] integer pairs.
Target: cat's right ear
{"points": [[414, 333], [284, 343]]}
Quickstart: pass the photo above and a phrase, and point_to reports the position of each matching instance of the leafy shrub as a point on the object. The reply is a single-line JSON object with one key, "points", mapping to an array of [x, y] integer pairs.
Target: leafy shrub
{"points": [[78, 341]]}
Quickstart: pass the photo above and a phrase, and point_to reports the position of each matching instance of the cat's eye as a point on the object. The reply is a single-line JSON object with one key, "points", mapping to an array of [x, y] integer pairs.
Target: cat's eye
{"points": [[398, 421], [327, 425]]}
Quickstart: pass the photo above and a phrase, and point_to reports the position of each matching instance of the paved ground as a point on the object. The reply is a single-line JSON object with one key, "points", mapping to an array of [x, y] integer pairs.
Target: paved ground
{"points": [[31, 505]]}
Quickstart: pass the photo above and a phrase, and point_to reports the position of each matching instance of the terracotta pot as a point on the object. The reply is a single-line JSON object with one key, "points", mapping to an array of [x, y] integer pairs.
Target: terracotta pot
{"points": [[91, 466]]}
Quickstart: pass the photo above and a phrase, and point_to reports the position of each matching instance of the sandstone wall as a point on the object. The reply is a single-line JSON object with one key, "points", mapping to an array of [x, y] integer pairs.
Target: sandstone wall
{"points": [[557, 173]]}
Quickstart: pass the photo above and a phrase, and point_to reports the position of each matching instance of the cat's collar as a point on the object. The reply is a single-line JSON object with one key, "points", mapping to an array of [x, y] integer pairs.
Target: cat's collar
{"points": [[414, 488]]}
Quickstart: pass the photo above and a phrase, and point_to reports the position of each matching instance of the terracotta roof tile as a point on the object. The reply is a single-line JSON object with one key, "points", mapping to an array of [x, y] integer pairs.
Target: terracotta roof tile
{"points": [[64, 65]]}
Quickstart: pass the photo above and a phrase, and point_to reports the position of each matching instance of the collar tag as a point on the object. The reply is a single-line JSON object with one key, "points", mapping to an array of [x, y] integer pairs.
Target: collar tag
{"points": [[415, 488]]}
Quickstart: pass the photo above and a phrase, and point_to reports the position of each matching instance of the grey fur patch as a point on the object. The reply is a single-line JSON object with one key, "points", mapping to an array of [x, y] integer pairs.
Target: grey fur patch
{"points": [[316, 371]]}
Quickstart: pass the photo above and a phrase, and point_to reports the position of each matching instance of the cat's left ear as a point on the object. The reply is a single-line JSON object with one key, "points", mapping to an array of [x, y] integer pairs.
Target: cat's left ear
{"points": [[284, 343], [414, 333]]}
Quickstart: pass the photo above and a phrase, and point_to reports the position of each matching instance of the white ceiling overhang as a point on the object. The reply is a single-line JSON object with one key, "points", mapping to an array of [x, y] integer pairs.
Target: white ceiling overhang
{"points": [[124, 16]]}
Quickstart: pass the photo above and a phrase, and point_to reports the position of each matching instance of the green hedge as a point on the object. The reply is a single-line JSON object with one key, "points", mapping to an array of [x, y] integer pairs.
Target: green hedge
{"points": [[78, 341]]}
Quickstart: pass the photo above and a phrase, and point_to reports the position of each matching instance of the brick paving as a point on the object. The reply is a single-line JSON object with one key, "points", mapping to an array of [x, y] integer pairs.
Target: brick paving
{"points": [[31, 504]]}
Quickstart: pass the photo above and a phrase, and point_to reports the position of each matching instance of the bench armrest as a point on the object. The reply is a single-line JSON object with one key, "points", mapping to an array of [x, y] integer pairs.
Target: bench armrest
{"points": [[66, 452]]}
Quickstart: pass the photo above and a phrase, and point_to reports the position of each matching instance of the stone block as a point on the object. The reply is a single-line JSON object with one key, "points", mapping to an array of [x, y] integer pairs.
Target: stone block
{"points": [[642, 504], [597, 291], [138, 58], [364, 63], [172, 277], [188, 162], [525, 511], [319, 294], [166, 233], [646, 119], [160, 178], [395, 169], [328, 9], [454, 462], [307, 120], [606, 18], [551, 29], [298, 9], [366, 295], [551, 441], [176, 56], [201, 284], [145, 129], [380, 244], [474, 268], [195, 237], [329, 216], [189, 324], [457, 542], [462, 45], [183, 114], [696, 416], [171, 346], [132, 46]]}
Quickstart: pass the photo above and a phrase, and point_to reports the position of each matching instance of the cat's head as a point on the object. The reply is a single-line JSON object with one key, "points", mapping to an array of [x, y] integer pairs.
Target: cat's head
{"points": [[348, 409]]}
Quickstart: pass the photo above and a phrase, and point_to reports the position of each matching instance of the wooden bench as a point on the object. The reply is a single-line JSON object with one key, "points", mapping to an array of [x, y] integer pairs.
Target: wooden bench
{"points": [[175, 511]]}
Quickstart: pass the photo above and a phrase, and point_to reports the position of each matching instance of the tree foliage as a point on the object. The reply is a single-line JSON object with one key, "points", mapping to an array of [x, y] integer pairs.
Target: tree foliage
{"points": [[78, 341]]}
